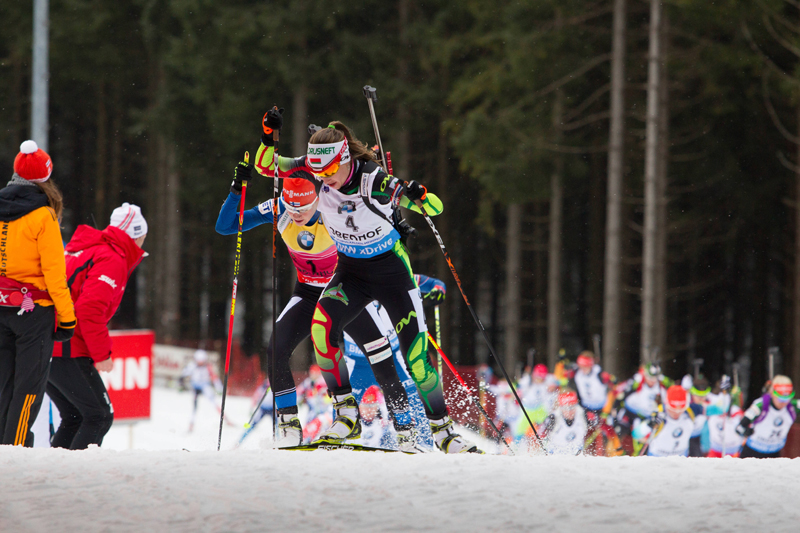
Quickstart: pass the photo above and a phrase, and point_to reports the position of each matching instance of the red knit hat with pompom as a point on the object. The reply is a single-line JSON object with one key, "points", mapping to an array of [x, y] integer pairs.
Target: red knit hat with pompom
{"points": [[33, 163]]}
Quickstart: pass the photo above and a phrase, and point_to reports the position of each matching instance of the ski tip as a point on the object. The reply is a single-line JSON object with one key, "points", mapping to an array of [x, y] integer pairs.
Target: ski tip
{"points": [[247, 157], [247, 425]]}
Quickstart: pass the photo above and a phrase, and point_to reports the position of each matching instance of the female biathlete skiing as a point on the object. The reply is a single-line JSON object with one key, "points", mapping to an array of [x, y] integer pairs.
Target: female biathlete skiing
{"points": [[314, 256], [357, 200]]}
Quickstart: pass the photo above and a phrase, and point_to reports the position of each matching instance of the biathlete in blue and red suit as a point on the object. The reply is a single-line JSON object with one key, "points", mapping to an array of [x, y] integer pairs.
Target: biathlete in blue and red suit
{"points": [[314, 256], [357, 200]]}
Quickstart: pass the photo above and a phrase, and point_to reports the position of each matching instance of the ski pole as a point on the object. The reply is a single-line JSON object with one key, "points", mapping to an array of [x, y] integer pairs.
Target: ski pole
{"points": [[650, 438], [438, 324], [233, 304], [371, 94], [442, 356], [275, 192], [249, 423], [475, 316]]}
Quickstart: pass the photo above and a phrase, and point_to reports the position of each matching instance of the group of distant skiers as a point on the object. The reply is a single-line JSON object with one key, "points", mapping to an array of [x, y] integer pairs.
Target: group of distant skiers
{"points": [[579, 408]]}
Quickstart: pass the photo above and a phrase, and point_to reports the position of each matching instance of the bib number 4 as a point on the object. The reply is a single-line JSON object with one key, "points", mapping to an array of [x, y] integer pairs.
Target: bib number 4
{"points": [[350, 223]]}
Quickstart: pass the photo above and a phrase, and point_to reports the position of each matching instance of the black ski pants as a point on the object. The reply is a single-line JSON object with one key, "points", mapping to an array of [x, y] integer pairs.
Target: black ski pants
{"points": [[294, 325], [388, 279], [747, 451], [78, 391], [26, 346]]}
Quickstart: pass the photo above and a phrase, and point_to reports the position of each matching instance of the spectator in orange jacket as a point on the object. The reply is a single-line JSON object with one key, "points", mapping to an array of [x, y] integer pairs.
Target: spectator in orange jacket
{"points": [[32, 283], [99, 264]]}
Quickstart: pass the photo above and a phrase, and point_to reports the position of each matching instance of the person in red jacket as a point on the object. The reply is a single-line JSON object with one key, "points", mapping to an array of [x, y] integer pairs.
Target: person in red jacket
{"points": [[99, 264]]}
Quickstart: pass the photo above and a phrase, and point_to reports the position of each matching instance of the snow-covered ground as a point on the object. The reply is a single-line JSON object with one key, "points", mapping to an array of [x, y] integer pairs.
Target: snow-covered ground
{"points": [[157, 486]]}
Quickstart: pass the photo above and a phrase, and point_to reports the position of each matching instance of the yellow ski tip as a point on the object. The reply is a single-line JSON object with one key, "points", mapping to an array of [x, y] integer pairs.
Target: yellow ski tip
{"points": [[247, 157], [246, 425]]}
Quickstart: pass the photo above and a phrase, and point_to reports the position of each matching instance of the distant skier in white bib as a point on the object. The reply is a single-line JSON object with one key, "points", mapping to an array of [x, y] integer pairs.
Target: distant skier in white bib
{"points": [[767, 421], [374, 419], [566, 428], [673, 431], [722, 435], [202, 380]]}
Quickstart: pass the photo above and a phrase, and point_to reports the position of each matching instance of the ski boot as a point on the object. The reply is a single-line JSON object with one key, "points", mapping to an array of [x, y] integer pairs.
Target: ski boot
{"points": [[290, 432], [407, 439], [448, 440], [346, 424]]}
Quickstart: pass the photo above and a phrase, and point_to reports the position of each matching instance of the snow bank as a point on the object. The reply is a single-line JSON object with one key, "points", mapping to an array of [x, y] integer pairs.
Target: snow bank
{"points": [[273, 490]]}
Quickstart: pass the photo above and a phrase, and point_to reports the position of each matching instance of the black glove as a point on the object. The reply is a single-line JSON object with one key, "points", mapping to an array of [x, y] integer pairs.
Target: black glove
{"points": [[273, 120], [240, 173], [656, 419], [744, 431], [63, 334], [415, 191]]}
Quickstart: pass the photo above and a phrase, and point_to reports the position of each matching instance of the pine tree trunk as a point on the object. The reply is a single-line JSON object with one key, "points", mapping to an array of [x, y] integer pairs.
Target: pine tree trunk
{"points": [[171, 289], [651, 186], [513, 299], [595, 246], [554, 246], [662, 268], [795, 365], [442, 269], [402, 167], [539, 276], [612, 299], [300, 119], [101, 150], [304, 354], [115, 176]]}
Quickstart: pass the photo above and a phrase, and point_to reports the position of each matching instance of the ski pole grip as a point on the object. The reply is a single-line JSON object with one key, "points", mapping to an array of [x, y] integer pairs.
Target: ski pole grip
{"points": [[371, 93]]}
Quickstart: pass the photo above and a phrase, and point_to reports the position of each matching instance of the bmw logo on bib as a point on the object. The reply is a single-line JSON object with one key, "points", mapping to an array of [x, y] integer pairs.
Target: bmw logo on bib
{"points": [[677, 433], [348, 206], [778, 422], [306, 240]]}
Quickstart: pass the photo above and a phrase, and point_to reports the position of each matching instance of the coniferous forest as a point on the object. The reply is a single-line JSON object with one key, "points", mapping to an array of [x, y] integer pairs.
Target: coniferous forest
{"points": [[620, 168]]}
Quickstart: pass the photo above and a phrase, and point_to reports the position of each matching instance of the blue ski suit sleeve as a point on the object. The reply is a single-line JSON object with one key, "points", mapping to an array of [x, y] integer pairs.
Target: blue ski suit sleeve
{"points": [[427, 284], [228, 219]]}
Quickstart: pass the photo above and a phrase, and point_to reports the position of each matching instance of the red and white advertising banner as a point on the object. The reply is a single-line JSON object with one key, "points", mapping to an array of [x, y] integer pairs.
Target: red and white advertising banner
{"points": [[129, 383]]}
